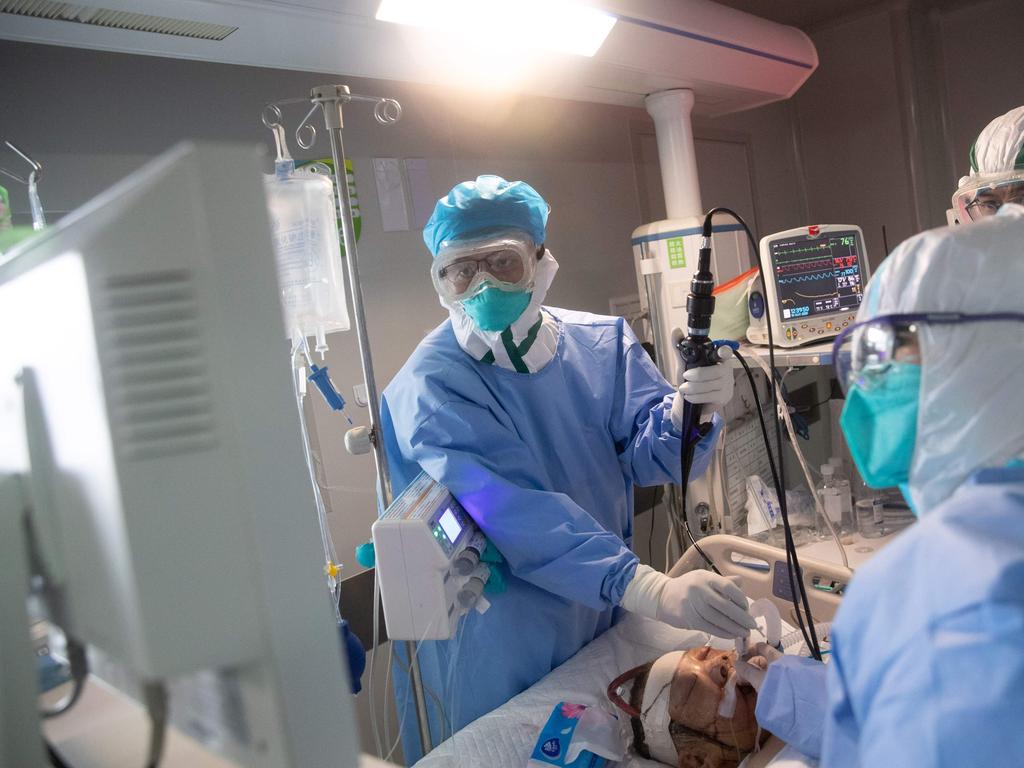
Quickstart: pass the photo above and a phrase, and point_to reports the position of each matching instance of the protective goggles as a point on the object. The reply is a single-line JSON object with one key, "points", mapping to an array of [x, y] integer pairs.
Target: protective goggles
{"points": [[864, 352], [504, 260], [983, 195]]}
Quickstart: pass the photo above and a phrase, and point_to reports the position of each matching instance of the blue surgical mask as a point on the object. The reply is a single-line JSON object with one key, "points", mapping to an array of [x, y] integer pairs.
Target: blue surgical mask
{"points": [[880, 425], [495, 310]]}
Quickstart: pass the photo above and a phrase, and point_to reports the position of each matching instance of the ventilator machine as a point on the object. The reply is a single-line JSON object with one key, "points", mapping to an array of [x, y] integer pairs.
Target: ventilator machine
{"points": [[428, 552]]}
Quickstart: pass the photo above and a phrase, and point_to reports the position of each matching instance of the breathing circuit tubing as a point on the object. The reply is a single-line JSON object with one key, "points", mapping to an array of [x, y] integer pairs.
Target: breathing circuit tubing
{"points": [[696, 349]]}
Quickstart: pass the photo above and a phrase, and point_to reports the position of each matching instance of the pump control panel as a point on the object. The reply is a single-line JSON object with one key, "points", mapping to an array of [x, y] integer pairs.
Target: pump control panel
{"points": [[423, 543]]}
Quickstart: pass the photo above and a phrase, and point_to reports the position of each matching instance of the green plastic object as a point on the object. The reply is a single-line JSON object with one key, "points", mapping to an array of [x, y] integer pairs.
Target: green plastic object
{"points": [[366, 555], [491, 554], [11, 237], [5, 209], [325, 167], [496, 584]]}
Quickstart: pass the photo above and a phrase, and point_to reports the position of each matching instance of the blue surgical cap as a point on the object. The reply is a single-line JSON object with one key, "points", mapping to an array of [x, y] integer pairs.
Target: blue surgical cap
{"points": [[486, 203]]}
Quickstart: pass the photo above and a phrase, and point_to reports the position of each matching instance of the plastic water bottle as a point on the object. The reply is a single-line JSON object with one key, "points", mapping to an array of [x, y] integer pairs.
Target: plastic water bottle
{"points": [[849, 523], [831, 502]]}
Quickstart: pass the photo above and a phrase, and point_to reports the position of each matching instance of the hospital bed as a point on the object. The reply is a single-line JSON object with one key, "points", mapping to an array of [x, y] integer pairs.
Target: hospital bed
{"points": [[505, 737]]}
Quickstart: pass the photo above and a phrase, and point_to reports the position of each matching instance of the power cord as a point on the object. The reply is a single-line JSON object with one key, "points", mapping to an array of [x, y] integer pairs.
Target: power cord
{"points": [[797, 586], [154, 696], [79, 664], [777, 484], [687, 464], [54, 757], [659, 494], [695, 545]]}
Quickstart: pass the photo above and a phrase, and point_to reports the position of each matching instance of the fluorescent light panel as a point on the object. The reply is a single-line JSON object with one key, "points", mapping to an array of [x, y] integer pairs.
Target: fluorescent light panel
{"points": [[508, 25]]}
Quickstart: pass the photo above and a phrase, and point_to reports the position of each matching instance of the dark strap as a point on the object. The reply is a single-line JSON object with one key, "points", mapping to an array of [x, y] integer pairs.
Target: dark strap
{"points": [[636, 717], [531, 336], [515, 353]]}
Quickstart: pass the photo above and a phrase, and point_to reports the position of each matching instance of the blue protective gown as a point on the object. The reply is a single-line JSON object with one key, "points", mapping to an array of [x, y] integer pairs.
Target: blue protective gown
{"points": [[545, 463], [928, 646]]}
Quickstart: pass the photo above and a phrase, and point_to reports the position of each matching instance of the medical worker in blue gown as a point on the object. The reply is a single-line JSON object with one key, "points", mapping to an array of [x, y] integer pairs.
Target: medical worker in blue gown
{"points": [[540, 421], [927, 662]]}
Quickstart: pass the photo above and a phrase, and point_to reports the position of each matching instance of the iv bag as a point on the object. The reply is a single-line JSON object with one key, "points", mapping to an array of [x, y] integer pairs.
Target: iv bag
{"points": [[305, 233]]}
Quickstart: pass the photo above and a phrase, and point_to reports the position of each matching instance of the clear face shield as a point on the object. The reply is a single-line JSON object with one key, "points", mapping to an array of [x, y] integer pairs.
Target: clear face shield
{"points": [[983, 195], [503, 259]]}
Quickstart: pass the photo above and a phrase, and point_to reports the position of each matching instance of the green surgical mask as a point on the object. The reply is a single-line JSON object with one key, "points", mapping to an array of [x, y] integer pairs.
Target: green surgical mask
{"points": [[905, 490], [495, 310], [880, 425]]}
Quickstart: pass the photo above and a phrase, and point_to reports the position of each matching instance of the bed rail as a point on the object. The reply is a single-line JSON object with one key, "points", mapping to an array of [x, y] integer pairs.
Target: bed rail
{"points": [[764, 573]]}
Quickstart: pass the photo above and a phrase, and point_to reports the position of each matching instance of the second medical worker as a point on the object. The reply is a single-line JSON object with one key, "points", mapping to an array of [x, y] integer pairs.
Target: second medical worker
{"points": [[539, 421]]}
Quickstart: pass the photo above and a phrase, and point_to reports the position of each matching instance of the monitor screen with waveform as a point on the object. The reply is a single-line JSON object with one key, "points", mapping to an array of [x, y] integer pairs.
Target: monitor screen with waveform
{"points": [[819, 275]]}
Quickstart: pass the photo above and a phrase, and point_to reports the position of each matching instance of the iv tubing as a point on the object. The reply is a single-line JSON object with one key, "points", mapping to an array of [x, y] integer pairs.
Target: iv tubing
{"points": [[330, 99], [321, 509], [784, 410]]}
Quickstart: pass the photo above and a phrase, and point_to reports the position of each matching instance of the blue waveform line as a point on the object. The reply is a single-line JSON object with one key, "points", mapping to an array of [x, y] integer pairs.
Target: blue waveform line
{"points": [[806, 278]]}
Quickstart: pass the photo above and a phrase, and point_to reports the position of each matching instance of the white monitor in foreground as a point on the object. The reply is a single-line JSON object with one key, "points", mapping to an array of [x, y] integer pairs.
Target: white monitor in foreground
{"points": [[146, 406]]}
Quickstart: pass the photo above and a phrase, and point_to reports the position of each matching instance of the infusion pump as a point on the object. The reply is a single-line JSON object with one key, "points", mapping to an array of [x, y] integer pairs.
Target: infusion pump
{"points": [[815, 282], [427, 551]]}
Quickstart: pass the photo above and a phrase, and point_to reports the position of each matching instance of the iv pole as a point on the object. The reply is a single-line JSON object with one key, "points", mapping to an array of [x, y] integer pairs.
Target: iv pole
{"points": [[330, 98]]}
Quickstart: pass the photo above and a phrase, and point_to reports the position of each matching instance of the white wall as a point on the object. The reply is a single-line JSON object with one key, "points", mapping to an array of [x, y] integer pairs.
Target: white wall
{"points": [[886, 122], [981, 46], [851, 129], [779, 197]]}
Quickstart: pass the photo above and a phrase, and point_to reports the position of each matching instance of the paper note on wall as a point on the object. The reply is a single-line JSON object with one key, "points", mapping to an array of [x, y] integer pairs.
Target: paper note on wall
{"points": [[424, 197], [394, 213]]}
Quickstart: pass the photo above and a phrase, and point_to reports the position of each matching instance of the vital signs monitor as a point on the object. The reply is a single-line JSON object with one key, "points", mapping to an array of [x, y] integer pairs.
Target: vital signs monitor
{"points": [[816, 280]]}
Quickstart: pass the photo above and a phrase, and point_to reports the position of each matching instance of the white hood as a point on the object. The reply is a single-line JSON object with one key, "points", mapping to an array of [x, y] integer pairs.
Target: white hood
{"points": [[970, 415]]}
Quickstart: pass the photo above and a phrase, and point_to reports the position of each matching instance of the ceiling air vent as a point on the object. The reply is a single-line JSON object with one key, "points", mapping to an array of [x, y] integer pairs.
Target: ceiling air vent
{"points": [[105, 17]]}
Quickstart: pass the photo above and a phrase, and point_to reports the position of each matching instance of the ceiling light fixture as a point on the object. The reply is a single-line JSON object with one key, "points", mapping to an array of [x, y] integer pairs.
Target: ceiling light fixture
{"points": [[555, 25]]}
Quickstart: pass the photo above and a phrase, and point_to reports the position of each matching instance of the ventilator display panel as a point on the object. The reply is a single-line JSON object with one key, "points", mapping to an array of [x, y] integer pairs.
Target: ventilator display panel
{"points": [[817, 275]]}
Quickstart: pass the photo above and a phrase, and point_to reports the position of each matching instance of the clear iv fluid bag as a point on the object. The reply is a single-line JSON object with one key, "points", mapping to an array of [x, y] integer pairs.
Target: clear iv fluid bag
{"points": [[304, 224]]}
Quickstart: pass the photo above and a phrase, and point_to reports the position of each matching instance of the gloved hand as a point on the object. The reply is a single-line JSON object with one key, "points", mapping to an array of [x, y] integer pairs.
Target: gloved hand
{"points": [[711, 385], [753, 669], [698, 600]]}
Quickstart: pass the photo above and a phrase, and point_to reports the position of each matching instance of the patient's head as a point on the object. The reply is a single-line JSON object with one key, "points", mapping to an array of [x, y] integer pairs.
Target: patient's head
{"points": [[679, 698]]}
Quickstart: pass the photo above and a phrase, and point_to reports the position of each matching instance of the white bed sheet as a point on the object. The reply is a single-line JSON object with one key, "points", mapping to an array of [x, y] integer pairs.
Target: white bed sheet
{"points": [[505, 737]]}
